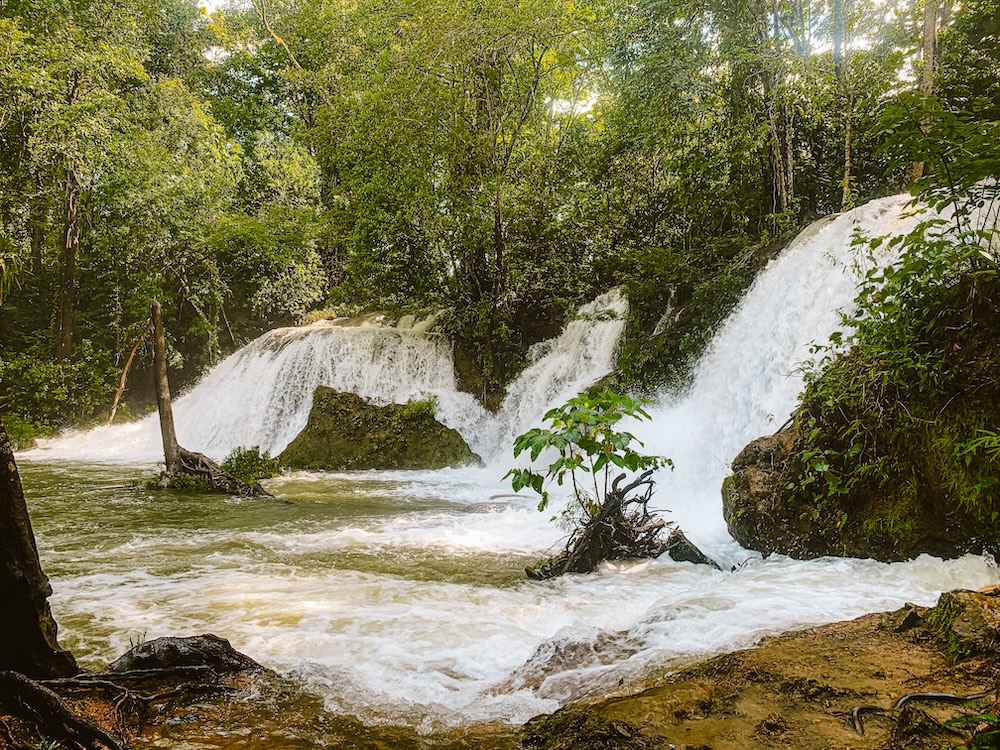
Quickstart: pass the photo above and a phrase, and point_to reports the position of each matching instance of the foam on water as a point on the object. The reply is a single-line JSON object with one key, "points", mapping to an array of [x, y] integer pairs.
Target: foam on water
{"points": [[421, 616]]}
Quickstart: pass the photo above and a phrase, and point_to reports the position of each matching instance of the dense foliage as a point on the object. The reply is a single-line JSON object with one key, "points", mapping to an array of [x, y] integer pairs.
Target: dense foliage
{"points": [[902, 406], [499, 160]]}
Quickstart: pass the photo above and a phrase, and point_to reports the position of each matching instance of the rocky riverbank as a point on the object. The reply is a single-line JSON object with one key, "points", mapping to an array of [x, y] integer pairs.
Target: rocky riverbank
{"points": [[887, 681]]}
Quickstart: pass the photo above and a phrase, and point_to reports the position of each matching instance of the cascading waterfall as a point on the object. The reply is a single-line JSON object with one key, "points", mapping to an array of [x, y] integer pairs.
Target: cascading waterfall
{"points": [[747, 383], [261, 394], [399, 597]]}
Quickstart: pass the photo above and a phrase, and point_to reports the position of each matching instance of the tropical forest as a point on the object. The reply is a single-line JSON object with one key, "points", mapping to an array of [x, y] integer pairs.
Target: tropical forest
{"points": [[499, 374]]}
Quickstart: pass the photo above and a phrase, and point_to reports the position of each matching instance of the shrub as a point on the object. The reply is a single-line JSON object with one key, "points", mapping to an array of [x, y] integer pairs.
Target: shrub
{"points": [[250, 465]]}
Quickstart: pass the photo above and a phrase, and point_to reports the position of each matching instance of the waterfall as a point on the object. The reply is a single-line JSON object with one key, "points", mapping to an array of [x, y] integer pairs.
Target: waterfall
{"points": [[261, 394], [746, 385]]}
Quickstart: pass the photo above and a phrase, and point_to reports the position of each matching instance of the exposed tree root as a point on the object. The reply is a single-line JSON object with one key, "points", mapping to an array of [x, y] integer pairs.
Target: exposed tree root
{"points": [[623, 528], [34, 702], [201, 466]]}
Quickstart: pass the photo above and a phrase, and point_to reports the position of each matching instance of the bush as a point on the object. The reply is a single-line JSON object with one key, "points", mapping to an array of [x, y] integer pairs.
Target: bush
{"points": [[51, 394], [250, 465]]}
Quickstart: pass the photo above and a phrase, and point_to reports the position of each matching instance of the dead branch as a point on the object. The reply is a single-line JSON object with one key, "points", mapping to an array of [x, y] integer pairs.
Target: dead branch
{"points": [[128, 364]]}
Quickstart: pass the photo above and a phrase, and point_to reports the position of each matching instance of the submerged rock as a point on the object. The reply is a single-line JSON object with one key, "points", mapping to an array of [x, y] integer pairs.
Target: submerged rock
{"points": [[345, 431]]}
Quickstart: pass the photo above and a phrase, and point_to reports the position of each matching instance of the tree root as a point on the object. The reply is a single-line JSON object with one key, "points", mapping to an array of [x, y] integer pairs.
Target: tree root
{"points": [[623, 528], [200, 465], [37, 703]]}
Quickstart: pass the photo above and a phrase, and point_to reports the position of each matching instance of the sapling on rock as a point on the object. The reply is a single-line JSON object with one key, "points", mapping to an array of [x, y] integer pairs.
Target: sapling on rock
{"points": [[609, 513]]}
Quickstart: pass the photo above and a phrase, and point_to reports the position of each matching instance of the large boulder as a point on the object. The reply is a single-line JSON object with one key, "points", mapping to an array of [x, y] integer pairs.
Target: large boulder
{"points": [[345, 431], [914, 512]]}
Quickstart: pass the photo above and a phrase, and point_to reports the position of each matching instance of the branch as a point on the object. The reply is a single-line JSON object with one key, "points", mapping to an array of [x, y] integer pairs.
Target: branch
{"points": [[128, 364], [258, 6]]}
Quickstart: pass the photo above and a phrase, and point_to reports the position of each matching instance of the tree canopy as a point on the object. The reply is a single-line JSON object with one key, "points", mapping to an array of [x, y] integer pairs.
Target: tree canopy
{"points": [[498, 160]]}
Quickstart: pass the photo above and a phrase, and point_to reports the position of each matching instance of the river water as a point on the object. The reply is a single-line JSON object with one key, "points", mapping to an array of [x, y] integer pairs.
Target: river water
{"points": [[399, 597]]}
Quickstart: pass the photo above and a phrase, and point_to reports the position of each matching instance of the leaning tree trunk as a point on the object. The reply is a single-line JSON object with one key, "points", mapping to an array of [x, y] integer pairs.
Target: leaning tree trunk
{"points": [[178, 460], [28, 641], [164, 405]]}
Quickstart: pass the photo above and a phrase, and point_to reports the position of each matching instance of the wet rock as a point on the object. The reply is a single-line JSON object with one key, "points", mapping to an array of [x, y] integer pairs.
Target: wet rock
{"points": [[574, 728], [345, 431], [682, 549], [201, 651], [549, 669], [969, 623], [764, 513], [913, 618]]}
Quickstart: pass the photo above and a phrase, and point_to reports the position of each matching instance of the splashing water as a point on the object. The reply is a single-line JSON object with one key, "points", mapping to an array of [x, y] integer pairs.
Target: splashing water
{"points": [[261, 395], [747, 383], [399, 596]]}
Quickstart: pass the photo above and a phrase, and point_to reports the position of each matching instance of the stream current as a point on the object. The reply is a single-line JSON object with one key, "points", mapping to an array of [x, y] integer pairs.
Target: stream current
{"points": [[400, 597]]}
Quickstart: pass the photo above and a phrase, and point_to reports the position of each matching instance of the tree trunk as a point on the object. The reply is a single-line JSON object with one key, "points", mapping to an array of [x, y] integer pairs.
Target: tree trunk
{"points": [[125, 369], [28, 642], [71, 244], [927, 70], [171, 450], [38, 221], [67, 270], [847, 197], [176, 459]]}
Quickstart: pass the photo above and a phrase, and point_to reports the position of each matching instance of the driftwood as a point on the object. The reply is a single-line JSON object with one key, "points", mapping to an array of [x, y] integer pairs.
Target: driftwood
{"points": [[178, 460], [623, 528]]}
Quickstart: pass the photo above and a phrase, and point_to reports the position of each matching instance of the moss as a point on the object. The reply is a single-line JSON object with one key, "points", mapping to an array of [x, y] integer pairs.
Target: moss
{"points": [[346, 432], [941, 621]]}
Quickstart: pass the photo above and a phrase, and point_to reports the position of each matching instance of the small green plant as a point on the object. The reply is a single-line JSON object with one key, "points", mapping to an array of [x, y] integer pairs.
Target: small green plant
{"points": [[46, 744], [986, 728], [250, 464], [583, 432], [607, 521], [418, 407]]}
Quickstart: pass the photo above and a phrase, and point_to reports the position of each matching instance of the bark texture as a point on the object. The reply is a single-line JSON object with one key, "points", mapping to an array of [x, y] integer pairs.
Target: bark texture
{"points": [[28, 641]]}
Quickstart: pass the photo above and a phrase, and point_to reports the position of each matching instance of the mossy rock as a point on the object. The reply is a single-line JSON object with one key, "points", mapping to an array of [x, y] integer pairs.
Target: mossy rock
{"points": [[345, 431], [913, 469], [914, 512]]}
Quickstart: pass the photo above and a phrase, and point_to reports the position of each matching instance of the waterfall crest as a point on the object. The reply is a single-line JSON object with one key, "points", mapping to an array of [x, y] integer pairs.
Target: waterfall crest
{"points": [[261, 394]]}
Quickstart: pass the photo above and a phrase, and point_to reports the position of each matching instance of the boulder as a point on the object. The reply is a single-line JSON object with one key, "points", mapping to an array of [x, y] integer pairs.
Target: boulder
{"points": [[345, 431], [913, 512], [208, 652]]}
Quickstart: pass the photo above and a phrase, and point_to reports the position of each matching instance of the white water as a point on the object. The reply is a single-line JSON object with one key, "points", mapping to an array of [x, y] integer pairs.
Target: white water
{"points": [[747, 383], [261, 394], [397, 596]]}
